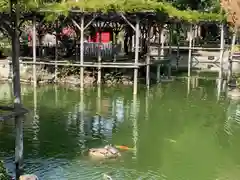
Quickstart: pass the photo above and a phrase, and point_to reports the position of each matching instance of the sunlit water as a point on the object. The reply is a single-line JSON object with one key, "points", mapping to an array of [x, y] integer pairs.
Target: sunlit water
{"points": [[173, 135]]}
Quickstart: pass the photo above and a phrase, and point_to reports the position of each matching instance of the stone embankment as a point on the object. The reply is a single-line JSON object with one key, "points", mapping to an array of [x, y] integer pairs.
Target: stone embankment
{"points": [[46, 75]]}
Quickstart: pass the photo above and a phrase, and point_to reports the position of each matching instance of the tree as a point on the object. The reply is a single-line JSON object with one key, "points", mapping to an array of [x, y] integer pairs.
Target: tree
{"points": [[180, 9], [201, 5]]}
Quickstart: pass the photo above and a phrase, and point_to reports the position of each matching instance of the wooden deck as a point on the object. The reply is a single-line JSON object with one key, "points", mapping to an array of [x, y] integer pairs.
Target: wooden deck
{"points": [[120, 62]]}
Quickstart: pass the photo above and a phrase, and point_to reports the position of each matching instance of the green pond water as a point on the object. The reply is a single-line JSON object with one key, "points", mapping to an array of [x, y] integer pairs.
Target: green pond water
{"points": [[173, 135]]}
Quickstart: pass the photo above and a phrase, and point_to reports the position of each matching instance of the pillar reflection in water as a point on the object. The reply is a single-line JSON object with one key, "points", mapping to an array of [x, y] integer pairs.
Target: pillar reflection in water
{"points": [[233, 116], [224, 86], [97, 118], [80, 120], [106, 123], [192, 83], [219, 87], [81, 109], [35, 124], [195, 82], [114, 118], [72, 114], [104, 126], [188, 85], [147, 104], [99, 99], [101, 126], [119, 113], [135, 127], [56, 95]]}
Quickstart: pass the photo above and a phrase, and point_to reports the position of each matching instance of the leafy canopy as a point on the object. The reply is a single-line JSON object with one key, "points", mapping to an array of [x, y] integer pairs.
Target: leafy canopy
{"points": [[129, 6]]}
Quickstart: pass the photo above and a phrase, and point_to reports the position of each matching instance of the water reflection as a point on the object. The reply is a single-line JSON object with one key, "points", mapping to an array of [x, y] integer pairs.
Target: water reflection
{"points": [[188, 85], [81, 110], [135, 124], [219, 88], [233, 117], [99, 99], [196, 82], [119, 110], [192, 83], [110, 114], [147, 104], [35, 123], [164, 127]]}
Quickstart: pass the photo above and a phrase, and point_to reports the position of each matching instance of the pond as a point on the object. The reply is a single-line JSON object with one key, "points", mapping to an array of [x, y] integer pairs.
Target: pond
{"points": [[173, 135]]}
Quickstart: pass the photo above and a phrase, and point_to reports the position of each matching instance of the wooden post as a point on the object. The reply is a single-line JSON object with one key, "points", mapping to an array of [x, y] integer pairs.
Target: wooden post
{"points": [[82, 53], [170, 52], [82, 28], [114, 46], [159, 53], [137, 35], [221, 52], [34, 50], [99, 55], [148, 57], [220, 75], [162, 43], [56, 52], [190, 51], [17, 88], [178, 44], [230, 58]]}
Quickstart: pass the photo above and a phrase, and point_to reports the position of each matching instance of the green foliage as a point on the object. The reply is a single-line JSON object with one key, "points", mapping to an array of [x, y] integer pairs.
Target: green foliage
{"points": [[129, 6], [201, 5], [132, 6], [25, 5]]}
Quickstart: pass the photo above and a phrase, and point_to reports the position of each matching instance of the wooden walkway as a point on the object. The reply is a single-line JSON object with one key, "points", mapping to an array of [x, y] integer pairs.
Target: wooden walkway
{"points": [[120, 62]]}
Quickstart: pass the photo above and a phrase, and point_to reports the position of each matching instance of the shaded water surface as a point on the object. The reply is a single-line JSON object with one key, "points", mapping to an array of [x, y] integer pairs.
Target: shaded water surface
{"points": [[173, 136]]}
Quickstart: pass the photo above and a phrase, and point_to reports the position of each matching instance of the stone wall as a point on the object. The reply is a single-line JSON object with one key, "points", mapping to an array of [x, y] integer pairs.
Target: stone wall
{"points": [[45, 74], [26, 72]]}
